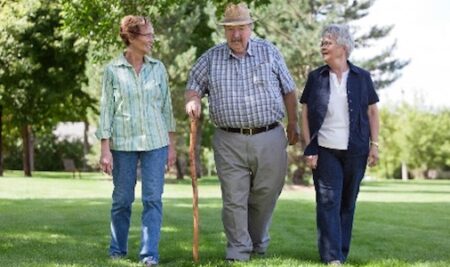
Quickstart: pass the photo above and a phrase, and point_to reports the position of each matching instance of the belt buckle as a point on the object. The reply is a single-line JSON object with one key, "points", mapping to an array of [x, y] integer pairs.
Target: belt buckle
{"points": [[247, 131]]}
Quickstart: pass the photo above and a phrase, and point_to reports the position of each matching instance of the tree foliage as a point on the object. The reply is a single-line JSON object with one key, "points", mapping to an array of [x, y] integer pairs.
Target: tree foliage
{"points": [[42, 66], [295, 26], [416, 137]]}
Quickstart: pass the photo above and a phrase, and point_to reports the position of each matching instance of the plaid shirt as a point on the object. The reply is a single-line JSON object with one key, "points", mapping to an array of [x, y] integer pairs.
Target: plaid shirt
{"points": [[243, 92], [135, 111]]}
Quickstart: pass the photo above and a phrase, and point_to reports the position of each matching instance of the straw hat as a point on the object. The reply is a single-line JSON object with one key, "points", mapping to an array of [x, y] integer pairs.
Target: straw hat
{"points": [[236, 14]]}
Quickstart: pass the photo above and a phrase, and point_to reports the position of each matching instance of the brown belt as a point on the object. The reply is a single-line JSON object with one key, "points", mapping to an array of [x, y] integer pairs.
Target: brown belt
{"points": [[251, 131]]}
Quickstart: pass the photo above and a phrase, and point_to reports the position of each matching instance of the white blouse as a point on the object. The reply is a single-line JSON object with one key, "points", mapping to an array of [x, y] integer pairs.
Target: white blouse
{"points": [[335, 130]]}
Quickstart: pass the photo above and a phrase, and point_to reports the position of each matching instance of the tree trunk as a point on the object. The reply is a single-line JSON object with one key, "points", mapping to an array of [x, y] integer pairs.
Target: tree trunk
{"points": [[26, 143], [298, 177], [1, 141], [180, 164], [404, 171], [85, 145], [31, 147]]}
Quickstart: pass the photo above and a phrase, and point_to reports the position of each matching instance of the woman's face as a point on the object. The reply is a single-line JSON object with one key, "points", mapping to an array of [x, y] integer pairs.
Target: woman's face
{"points": [[330, 50], [143, 42]]}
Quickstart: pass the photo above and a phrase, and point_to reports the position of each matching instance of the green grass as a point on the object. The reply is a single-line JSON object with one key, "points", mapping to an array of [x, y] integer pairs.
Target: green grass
{"points": [[53, 220]]}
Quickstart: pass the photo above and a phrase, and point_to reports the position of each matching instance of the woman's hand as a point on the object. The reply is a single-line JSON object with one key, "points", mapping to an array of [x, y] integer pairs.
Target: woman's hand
{"points": [[106, 161], [373, 156], [311, 161]]}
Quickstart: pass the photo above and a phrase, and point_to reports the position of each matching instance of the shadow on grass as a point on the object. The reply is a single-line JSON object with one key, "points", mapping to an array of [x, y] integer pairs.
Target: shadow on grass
{"points": [[76, 233]]}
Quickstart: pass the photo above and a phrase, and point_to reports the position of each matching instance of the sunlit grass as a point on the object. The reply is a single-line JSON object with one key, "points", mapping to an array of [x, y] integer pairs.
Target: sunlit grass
{"points": [[54, 220]]}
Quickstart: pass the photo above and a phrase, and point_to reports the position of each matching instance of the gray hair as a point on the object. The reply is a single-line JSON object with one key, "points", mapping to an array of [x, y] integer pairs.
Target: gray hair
{"points": [[341, 33]]}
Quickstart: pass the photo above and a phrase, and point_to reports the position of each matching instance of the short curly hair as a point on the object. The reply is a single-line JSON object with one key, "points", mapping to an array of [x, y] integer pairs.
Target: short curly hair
{"points": [[341, 33], [129, 27]]}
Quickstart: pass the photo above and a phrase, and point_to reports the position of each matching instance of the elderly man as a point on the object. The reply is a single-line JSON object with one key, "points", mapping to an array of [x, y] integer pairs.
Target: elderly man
{"points": [[247, 81]]}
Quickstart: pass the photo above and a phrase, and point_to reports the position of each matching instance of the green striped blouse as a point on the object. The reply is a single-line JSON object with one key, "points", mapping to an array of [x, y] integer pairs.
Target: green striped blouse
{"points": [[135, 111]]}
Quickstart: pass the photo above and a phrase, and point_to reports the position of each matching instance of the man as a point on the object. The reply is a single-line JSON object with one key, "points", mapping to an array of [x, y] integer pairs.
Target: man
{"points": [[247, 81]]}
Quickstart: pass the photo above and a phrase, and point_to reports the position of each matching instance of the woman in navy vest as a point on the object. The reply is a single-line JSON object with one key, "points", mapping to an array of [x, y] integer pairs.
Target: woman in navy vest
{"points": [[340, 127]]}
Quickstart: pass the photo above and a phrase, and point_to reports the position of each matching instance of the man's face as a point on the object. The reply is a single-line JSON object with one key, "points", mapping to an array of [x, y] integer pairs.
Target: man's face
{"points": [[238, 37]]}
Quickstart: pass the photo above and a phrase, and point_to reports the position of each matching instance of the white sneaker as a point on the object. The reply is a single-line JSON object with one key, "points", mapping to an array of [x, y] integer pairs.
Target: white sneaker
{"points": [[150, 261], [335, 263]]}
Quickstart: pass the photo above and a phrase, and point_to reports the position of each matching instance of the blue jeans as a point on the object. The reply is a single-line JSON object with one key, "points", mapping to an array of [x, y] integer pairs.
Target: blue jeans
{"points": [[336, 180], [124, 177]]}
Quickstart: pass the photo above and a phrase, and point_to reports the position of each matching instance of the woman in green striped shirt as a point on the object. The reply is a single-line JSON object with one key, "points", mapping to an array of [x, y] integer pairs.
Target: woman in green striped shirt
{"points": [[136, 124]]}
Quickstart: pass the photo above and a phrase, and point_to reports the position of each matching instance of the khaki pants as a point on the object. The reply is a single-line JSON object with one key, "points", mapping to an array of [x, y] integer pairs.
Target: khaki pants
{"points": [[252, 170]]}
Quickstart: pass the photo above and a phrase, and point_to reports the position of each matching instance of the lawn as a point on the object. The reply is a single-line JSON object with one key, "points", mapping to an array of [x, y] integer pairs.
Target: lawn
{"points": [[54, 220]]}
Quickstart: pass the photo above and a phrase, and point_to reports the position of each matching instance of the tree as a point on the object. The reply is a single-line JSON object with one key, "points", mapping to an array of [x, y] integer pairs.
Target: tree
{"points": [[427, 138], [1, 140], [43, 69], [414, 137], [393, 143]]}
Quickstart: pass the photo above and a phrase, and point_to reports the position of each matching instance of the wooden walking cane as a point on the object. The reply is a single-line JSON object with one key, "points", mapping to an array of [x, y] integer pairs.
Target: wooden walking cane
{"points": [[192, 144]]}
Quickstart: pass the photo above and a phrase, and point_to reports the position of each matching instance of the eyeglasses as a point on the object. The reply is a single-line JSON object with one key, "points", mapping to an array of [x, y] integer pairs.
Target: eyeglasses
{"points": [[149, 35], [325, 43]]}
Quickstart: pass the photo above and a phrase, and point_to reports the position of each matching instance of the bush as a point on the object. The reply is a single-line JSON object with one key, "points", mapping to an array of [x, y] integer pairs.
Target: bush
{"points": [[48, 153]]}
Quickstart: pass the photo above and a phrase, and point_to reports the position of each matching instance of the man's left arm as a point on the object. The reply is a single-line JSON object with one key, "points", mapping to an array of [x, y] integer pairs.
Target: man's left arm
{"points": [[293, 132]]}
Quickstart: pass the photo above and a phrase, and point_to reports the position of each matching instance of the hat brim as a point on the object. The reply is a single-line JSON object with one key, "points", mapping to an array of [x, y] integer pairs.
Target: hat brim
{"points": [[237, 22]]}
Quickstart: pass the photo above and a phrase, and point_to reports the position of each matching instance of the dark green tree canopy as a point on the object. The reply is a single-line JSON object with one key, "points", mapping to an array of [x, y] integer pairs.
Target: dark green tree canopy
{"points": [[42, 66]]}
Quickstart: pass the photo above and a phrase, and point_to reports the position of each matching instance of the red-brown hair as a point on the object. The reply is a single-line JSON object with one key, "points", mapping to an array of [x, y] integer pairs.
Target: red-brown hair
{"points": [[129, 27]]}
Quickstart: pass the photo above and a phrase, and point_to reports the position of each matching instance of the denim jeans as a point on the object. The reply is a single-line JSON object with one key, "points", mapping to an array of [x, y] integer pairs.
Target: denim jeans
{"points": [[124, 179], [336, 180]]}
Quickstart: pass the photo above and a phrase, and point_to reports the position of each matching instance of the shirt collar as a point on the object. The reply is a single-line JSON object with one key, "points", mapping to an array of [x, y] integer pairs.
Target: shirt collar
{"points": [[352, 67], [122, 61]]}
